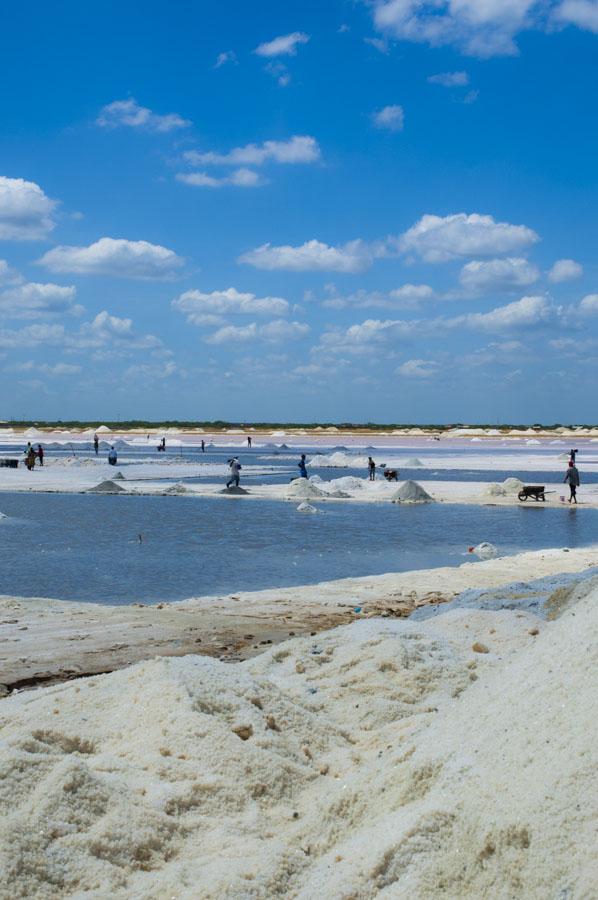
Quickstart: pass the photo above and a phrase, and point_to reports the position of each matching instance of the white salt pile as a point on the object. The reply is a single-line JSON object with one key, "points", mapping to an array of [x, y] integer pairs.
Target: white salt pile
{"points": [[349, 483], [304, 489], [450, 758], [509, 486], [177, 488], [485, 550], [411, 492], [106, 487], [306, 508], [413, 462]]}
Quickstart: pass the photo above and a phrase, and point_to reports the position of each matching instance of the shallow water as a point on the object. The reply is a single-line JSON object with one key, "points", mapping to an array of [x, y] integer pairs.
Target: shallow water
{"points": [[88, 547]]}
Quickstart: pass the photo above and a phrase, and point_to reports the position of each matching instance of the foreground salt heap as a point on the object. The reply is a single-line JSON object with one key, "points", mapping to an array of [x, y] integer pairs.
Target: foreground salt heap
{"points": [[385, 758]]}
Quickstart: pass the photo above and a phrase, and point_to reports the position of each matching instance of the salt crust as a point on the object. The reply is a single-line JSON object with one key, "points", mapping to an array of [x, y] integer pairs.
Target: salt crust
{"points": [[381, 759]]}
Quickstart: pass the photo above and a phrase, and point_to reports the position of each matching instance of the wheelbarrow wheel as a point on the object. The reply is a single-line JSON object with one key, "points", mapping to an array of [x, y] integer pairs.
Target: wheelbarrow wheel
{"points": [[522, 495]]}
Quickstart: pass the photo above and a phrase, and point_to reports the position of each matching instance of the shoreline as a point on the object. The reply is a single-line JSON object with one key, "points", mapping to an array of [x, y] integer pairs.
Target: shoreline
{"points": [[47, 641]]}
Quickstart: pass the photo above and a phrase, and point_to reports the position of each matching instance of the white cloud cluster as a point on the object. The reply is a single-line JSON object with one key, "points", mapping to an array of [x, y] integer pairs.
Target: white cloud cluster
{"points": [[479, 277], [441, 238], [105, 330], [129, 114], [246, 178], [312, 256], [565, 270], [391, 118], [525, 313], [297, 149], [482, 28], [408, 296], [450, 79], [284, 45], [418, 368], [32, 300], [275, 332], [117, 257], [25, 211], [202, 308], [227, 56], [583, 13]]}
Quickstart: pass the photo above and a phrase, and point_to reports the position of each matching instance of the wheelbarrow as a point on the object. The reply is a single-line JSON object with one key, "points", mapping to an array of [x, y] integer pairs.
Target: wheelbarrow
{"points": [[532, 490]]}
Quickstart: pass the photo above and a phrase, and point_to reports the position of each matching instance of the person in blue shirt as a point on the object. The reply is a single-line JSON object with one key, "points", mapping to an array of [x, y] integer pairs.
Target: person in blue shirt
{"points": [[112, 457], [302, 469]]}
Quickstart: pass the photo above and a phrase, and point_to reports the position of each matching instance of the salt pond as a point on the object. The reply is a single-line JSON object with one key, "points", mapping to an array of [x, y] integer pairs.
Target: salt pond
{"points": [[115, 549]]}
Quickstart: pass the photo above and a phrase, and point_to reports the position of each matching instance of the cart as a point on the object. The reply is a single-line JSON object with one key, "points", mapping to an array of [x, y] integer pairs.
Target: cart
{"points": [[532, 490]]}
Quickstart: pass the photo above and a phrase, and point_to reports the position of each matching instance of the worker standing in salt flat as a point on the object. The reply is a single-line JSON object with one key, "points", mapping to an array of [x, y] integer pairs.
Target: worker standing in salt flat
{"points": [[40, 454], [372, 468], [235, 468], [302, 468], [96, 444], [572, 479]]}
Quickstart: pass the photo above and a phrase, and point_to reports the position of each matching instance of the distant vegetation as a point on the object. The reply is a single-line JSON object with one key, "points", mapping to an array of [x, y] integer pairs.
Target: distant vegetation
{"points": [[77, 425]]}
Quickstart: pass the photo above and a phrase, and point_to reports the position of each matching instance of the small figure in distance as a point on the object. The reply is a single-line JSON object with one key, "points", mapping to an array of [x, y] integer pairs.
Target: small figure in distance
{"points": [[302, 469], [96, 443], [249, 440], [235, 468], [30, 457], [572, 455], [112, 457], [203, 446], [162, 446], [40, 454], [572, 479], [372, 468]]}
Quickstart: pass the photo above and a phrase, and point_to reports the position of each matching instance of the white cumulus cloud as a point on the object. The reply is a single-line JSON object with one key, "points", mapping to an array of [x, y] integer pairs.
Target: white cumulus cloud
{"points": [[202, 308], [277, 331], [478, 277], [33, 300], [418, 368], [589, 305], [408, 296], [481, 28], [297, 149], [25, 211], [565, 270], [525, 313], [312, 256], [246, 178], [114, 256], [450, 79], [441, 238], [129, 114], [392, 118], [583, 13], [284, 45]]}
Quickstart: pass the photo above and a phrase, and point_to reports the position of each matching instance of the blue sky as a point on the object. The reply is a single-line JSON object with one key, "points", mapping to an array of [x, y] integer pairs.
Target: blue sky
{"points": [[343, 211]]}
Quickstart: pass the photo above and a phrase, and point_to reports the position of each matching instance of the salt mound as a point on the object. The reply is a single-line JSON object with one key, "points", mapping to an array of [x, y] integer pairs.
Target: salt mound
{"points": [[107, 487], [338, 495], [494, 490], [384, 758], [411, 492], [303, 488], [177, 488], [306, 508], [233, 490], [339, 460], [118, 477], [3, 515], [512, 485], [485, 550], [349, 483], [413, 462]]}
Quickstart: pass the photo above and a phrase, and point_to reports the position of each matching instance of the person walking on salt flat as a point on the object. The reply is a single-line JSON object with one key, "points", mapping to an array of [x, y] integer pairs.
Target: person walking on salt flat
{"points": [[372, 468], [302, 469], [572, 479]]}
